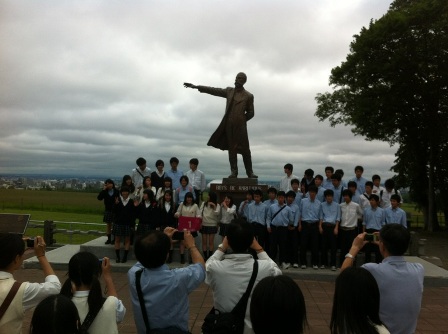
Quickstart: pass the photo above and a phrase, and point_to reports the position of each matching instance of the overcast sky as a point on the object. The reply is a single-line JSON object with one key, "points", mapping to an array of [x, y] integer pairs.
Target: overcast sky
{"points": [[89, 86]]}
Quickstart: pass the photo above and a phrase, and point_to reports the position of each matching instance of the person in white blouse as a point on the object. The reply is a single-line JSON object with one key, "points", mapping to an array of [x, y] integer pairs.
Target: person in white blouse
{"points": [[84, 289], [210, 212], [27, 295], [228, 213], [147, 184], [188, 208]]}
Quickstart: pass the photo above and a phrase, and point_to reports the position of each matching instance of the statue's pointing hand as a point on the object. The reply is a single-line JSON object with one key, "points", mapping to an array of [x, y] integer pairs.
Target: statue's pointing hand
{"points": [[189, 85]]}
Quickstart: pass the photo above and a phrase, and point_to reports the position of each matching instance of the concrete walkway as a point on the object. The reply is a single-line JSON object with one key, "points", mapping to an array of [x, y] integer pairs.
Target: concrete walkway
{"points": [[316, 285], [318, 297]]}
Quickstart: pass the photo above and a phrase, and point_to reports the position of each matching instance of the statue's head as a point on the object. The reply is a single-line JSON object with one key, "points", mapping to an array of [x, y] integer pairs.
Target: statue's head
{"points": [[240, 80]]}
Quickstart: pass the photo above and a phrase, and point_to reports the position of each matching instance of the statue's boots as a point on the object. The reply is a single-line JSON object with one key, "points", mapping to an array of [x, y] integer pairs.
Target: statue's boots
{"points": [[248, 165]]}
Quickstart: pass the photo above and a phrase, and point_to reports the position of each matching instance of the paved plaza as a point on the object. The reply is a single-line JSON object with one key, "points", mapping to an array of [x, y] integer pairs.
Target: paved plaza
{"points": [[317, 289]]}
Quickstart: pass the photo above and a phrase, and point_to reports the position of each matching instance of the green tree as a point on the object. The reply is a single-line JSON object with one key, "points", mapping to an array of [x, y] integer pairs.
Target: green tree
{"points": [[393, 87]]}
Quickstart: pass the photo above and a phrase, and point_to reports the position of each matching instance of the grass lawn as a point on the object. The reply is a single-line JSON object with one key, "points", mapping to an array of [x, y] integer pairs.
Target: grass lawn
{"points": [[72, 207], [64, 208]]}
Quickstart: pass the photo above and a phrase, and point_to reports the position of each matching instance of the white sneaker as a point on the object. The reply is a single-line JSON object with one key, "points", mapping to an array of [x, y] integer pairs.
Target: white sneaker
{"points": [[303, 266], [285, 265], [322, 267], [315, 267], [295, 265], [333, 268]]}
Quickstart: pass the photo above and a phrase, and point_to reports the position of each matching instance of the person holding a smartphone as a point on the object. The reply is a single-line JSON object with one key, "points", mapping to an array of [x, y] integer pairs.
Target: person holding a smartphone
{"points": [[374, 220], [25, 295]]}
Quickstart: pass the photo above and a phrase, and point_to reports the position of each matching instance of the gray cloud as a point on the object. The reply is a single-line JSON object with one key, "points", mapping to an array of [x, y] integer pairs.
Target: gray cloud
{"points": [[88, 86]]}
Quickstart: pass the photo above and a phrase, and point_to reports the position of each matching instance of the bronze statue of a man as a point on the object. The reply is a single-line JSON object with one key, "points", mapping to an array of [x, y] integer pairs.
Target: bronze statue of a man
{"points": [[231, 133]]}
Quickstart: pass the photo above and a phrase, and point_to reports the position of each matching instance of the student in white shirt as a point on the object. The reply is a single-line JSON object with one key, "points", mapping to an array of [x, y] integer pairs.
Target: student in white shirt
{"points": [[228, 213], [28, 295], [84, 288], [209, 211], [285, 182], [197, 179], [228, 274], [386, 194], [348, 227], [377, 187], [139, 173]]}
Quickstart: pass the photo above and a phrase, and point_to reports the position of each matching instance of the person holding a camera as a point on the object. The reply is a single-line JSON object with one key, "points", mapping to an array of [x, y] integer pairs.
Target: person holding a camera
{"points": [[159, 294], [17, 297], [400, 282]]}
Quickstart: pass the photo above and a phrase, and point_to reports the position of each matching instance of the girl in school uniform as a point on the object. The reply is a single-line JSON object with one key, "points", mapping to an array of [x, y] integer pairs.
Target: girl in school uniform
{"points": [[228, 213], [183, 189], [147, 184], [210, 212], [167, 185], [84, 289], [127, 182], [147, 213], [124, 219], [166, 214], [188, 208]]}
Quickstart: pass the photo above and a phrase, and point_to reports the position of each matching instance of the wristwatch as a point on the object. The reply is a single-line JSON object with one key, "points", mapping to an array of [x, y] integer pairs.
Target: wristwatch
{"points": [[221, 248], [350, 256]]}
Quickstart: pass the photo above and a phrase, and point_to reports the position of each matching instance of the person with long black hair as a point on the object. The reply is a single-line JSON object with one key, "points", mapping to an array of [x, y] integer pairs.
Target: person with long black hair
{"points": [[125, 214], [278, 306], [84, 288], [147, 213], [166, 217], [228, 213], [210, 212], [108, 196], [356, 304], [55, 315]]}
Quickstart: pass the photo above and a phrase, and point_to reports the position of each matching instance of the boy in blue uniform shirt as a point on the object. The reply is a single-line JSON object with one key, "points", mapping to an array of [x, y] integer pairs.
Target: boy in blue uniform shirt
{"points": [[395, 215], [293, 234], [374, 220], [309, 227], [330, 216], [279, 218], [256, 215]]}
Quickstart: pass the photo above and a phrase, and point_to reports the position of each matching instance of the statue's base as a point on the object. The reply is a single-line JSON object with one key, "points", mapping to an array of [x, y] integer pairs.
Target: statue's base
{"points": [[239, 181], [237, 188]]}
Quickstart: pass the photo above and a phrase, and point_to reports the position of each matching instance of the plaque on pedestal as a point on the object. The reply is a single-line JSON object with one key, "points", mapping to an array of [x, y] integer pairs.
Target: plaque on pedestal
{"points": [[237, 188]]}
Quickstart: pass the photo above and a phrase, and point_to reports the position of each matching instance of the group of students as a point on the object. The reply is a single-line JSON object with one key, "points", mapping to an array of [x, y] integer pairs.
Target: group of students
{"points": [[307, 214], [314, 213], [76, 306], [156, 199]]}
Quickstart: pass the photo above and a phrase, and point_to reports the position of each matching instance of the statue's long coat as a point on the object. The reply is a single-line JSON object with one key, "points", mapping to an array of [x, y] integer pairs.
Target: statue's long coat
{"points": [[232, 131]]}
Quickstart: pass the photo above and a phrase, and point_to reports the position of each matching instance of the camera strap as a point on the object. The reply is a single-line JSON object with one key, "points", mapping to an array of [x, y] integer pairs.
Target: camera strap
{"points": [[11, 294]]}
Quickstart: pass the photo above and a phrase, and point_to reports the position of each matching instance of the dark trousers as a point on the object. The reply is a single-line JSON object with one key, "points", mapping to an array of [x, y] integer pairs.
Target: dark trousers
{"points": [[372, 248], [278, 238], [309, 236], [346, 237], [260, 233], [328, 243], [197, 194], [292, 246]]}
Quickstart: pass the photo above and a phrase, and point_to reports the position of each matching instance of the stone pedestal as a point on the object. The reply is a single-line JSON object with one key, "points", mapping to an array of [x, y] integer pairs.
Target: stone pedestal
{"points": [[237, 188]]}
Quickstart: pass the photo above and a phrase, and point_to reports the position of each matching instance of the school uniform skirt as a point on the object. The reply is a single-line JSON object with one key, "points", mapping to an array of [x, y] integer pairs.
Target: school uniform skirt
{"points": [[121, 230], [143, 228], [209, 229], [108, 217], [223, 229]]}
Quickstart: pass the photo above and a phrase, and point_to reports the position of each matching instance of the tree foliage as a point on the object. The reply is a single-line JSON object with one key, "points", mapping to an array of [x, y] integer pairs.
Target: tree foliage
{"points": [[393, 87]]}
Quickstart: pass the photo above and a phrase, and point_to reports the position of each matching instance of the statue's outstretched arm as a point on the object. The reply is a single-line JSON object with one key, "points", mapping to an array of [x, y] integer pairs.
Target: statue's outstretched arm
{"points": [[189, 85]]}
